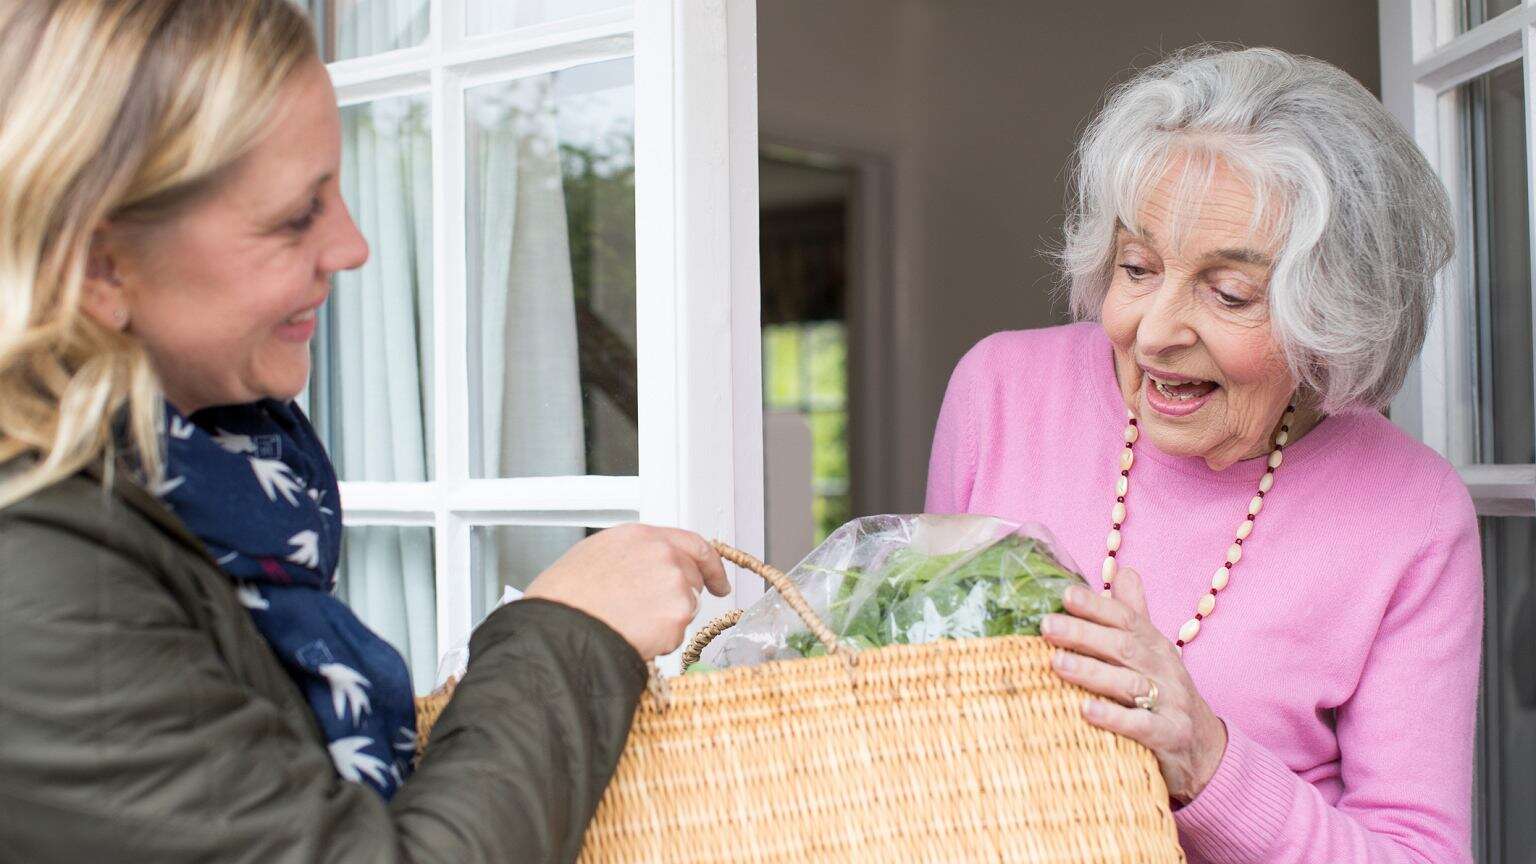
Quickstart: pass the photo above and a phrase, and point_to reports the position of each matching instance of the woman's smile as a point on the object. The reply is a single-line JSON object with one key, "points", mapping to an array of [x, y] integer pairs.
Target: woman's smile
{"points": [[1175, 395]]}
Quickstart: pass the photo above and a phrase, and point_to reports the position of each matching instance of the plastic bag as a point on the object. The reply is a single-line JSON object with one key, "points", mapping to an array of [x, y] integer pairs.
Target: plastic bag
{"points": [[455, 661], [884, 580]]}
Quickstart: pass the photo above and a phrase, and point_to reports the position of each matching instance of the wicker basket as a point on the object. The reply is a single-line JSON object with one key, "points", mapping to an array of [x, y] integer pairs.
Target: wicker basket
{"points": [[962, 751]]}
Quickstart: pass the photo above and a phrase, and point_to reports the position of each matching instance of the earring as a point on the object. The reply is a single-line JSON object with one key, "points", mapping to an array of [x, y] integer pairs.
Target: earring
{"points": [[120, 318]]}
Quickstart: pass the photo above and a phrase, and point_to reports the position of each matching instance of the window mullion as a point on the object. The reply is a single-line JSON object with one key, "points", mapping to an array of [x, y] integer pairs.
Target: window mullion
{"points": [[1528, 70], [453, 575]]}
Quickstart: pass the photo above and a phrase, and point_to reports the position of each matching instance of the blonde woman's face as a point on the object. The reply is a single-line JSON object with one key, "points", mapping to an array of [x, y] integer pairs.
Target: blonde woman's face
{"points": [[224, 295], [1195, 355]]}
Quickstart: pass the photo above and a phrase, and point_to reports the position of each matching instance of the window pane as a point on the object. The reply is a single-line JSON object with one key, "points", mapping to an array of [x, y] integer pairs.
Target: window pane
{"points": [[551, 263], [385, 575], [1475, 12], [781, 367], [513, 556], [357, 28], [827, 357], [1495, 144], [370, 390], [1507, 734], [498, 16]]}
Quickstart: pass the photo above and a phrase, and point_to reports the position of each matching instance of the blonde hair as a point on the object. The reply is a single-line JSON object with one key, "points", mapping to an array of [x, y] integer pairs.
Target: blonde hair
{"points": [[120, 111]]}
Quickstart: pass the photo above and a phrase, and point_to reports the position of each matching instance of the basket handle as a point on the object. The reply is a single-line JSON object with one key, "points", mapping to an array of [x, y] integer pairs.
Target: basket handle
{"points": [[780, 583]]}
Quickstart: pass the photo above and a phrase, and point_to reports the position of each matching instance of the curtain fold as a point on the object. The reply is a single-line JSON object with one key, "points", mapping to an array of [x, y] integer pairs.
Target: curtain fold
{"points": [[522, 287], [374, 379]]}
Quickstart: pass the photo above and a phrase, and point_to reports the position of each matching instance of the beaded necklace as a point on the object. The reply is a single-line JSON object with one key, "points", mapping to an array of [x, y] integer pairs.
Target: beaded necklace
{"points": [[1207, 603]]}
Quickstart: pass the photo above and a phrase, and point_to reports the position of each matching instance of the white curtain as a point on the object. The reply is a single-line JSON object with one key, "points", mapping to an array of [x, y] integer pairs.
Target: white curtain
{"points": [[498, 16], [522, 293], [364, 27], [373, 365]]}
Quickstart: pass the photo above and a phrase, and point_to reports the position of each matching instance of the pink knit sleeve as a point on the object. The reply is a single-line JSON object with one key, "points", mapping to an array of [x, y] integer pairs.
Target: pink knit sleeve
{"points": [[1405, 735], [952, 463]]}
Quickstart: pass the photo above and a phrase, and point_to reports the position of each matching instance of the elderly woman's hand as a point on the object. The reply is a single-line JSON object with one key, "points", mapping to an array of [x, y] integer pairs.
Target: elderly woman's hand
{"points": [[1111, 648]]}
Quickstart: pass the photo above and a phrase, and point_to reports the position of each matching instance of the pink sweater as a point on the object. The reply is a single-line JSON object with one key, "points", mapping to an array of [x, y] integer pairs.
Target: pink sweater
{"points": [[1343, 656]]}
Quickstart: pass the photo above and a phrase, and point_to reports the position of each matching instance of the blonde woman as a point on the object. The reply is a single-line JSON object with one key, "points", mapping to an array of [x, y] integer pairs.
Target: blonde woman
{"points": [[176, 681]]}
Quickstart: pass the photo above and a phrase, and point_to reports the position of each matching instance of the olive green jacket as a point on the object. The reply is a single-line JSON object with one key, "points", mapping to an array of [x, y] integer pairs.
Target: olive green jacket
{"points": [[144, 718]]}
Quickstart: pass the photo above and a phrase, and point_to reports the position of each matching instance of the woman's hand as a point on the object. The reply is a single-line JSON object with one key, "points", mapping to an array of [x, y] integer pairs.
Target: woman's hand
{"points": [[1112, 649], [640, 580]]}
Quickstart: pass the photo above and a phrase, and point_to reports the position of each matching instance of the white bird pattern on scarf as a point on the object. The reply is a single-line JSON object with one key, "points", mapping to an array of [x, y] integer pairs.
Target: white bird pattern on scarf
{"points": [[346, 690]]}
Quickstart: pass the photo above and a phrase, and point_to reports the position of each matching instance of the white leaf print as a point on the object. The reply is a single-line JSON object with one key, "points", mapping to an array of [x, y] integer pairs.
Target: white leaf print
{"points": [[275, 476], [346, 690], [395, 772], [250, 597], [318, 496], [227, 558], [166, 486], [235, 443], [352, 763], [308, 552], [181, 429], [407, 740]]}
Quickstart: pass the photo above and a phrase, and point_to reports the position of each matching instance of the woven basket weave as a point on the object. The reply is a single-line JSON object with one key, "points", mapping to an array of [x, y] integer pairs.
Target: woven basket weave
{"points": [[963, 751]]}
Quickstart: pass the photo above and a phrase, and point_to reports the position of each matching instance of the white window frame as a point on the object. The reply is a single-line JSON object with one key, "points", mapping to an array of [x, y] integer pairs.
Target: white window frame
{"points": [[698, 340], [1423, 62], [1422, 65]]}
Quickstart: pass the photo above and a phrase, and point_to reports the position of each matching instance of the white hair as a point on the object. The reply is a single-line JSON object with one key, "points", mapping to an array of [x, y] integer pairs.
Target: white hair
{"points": [[1363, 223]]}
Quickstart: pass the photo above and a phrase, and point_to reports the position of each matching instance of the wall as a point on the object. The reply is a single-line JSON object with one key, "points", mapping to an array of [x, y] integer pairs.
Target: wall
{"points": [[976, 105]]}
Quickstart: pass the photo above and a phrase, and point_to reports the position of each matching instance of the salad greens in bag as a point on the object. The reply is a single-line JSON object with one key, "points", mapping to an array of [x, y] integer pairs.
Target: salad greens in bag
{"points": [[885, 580]]}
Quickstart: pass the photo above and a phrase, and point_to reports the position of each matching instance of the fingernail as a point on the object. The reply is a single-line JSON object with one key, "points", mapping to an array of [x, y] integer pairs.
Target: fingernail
{"points": [[1048, 625], [1064, 661], [1074, 596], [1091, 709]]}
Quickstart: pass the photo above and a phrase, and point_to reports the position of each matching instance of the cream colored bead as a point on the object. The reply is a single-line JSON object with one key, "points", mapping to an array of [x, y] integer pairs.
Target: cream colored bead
{"points": [[1219, 581], [1276, 457], [1113, 543], [1131, 434], [1206, 604], [1255, 505], [1127, 456], [1245, 529], [1267, 482], [1108, 570], [1190, 630], [1234, 553], [1122, 485], [1282, 438], [1117, 513]]}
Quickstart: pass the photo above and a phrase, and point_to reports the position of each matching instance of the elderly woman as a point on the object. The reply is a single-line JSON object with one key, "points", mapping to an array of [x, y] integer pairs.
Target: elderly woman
{"points": [[1292, 594], [177, 683]]}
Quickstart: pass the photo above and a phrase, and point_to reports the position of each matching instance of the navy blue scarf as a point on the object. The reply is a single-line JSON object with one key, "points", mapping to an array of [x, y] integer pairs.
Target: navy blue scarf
{"points": [[254, 482]]}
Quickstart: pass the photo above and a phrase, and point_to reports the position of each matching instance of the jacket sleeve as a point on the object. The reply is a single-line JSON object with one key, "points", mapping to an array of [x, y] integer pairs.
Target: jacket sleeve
{"points": [[125, 736]]}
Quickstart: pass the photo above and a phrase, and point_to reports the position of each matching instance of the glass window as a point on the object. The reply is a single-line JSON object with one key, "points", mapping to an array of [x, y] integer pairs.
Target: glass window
{"points": [[1474, 12], [1507, 739], [373, 343], [512, 556], [805, 370], [498, 16], [1494, 111], [347, 29], [385, 575], [551, 262]]}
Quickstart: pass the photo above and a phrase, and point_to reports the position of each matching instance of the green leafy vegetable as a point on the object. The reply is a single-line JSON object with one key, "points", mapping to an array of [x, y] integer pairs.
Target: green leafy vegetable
{"points": [[913, 597]]}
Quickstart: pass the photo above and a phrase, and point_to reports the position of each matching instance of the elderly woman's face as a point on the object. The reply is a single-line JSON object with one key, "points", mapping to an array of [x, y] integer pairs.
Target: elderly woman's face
{"points": [[224, 295], [1194, 353]]}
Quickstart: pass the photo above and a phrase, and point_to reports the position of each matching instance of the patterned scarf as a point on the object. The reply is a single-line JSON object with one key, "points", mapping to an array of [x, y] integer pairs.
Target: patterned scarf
{"points": [[254, 482]]}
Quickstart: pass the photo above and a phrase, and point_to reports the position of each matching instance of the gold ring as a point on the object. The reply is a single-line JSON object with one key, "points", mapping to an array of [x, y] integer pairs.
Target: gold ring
{"points": [[1149, 701]]}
